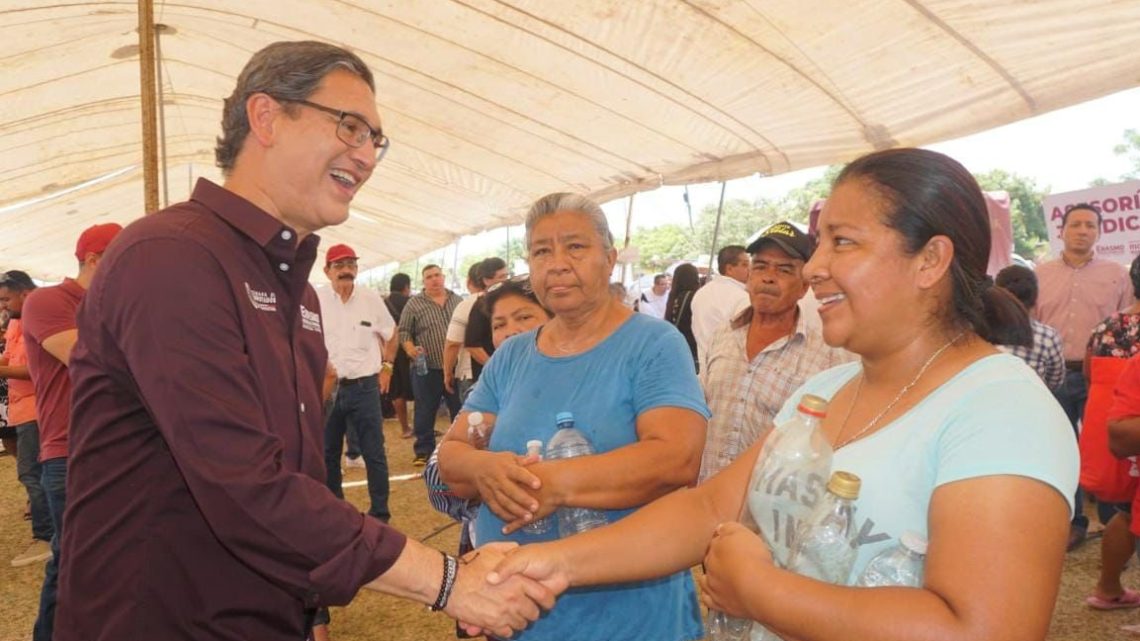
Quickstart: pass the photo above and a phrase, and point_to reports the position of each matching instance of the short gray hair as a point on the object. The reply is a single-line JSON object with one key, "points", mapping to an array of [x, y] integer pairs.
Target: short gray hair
{"points": [[285, 71], [565, 201]]}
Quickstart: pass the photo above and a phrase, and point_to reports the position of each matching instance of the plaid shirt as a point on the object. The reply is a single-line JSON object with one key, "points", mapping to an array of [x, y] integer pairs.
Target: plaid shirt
{"points": [[1045, 357], [425, 323], [744, 396]]}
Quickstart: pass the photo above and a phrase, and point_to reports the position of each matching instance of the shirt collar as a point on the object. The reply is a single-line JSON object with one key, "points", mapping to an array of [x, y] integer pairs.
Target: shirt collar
{"points": [[741, 320], [729, 280], [72, 287], [277, 239]]}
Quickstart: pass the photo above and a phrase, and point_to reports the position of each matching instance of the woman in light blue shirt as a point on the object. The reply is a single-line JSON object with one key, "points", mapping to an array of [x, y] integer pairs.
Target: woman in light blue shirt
{"points": [[952, 438]]}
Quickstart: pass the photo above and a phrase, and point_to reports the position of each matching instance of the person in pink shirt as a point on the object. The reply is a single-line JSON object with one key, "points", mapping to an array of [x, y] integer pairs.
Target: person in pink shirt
{"points": [[1076, 292]]}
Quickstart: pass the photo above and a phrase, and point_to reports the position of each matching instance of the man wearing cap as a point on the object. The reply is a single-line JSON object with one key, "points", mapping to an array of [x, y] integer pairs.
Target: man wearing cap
{"points": [[722, 298], [199, 509], [359, 334], [766, 352], [15, 286], [49, 318]]}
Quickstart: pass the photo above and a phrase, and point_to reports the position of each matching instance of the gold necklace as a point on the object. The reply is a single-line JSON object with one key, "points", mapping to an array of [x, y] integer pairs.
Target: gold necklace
{"points": [[894, 401]]}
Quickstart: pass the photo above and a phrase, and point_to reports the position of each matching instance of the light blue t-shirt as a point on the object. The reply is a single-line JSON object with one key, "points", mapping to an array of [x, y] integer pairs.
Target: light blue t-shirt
{"points": [[995, 417], [644, 364]]}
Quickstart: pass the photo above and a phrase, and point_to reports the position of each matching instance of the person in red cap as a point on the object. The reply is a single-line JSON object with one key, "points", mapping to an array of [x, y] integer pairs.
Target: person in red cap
{"points": [[359, 335], [49, 318]]}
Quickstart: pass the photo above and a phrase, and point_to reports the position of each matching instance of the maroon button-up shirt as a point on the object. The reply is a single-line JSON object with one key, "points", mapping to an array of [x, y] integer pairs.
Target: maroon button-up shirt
{"points": [[197, 507]]}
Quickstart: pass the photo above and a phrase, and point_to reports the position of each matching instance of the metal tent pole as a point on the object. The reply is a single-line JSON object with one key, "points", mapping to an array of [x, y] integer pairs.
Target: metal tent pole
{"points": [[716, 228]]}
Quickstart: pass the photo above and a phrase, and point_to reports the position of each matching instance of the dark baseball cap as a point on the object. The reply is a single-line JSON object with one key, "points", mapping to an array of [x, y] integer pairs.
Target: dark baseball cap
{"points": [[16, 280], [787, 237]]}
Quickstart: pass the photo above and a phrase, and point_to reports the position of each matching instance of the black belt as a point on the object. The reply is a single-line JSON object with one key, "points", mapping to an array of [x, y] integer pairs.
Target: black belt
{"points": [[1075, 366], [345, 382]]}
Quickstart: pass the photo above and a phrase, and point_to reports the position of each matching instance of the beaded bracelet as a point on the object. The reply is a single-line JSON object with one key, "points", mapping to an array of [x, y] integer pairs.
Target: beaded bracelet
{"points": [[450, 572]]}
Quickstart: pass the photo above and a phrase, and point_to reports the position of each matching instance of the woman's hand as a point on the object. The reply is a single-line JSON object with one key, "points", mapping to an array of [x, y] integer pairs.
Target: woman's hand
{"points": [[735, 559], [544, 495], [539, 562], [503, 482]]}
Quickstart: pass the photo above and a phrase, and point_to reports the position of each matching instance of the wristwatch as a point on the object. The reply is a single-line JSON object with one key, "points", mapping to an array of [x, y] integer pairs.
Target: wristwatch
{"points": [[386, 367]]}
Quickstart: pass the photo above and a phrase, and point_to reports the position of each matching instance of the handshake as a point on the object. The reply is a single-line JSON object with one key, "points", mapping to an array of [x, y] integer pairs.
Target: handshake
{"points": [[500, 588]]}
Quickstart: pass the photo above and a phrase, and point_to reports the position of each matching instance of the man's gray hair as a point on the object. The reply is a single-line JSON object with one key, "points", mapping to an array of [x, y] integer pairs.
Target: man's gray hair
{"points": [[286, 71], [565, 201]]}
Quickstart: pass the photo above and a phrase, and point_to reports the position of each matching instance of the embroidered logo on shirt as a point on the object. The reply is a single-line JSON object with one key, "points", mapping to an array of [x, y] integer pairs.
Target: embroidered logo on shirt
{"points": [[264, 301], [310, 320]]}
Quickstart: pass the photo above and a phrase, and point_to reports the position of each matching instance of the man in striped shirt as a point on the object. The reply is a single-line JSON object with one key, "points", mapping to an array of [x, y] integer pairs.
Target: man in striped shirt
{"points": [[423, 328]]}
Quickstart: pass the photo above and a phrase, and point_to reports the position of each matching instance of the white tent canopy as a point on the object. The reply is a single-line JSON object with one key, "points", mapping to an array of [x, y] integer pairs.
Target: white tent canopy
{"points": [[491, 103]]}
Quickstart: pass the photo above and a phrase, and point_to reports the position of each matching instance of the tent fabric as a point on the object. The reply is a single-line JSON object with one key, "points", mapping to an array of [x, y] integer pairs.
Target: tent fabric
{"points": [[492, 103]]}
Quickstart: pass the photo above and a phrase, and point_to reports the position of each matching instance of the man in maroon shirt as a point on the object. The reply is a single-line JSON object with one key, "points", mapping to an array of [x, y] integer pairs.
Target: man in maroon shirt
{"points": [[49, 336], [198, 504]]}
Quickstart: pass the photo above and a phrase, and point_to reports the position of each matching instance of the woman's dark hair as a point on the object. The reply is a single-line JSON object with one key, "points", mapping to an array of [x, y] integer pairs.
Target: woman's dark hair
{"points": [[1134, 274], [686, 279], [1019, 281], [930, 194], [488, 267], [475, 277], [515, 286]]}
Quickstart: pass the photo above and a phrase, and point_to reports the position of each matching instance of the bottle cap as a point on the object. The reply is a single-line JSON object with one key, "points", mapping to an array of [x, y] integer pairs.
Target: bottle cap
{"points": [[913, 541], [563, 417], [534, 444], [813, 405], [475, 418], [845, 485]]}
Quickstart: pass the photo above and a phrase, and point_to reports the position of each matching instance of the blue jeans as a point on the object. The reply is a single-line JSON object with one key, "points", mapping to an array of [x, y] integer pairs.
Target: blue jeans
{"points": [[1072, 396], [29, 471], [54, 482], [356, 410], [429, 391]]}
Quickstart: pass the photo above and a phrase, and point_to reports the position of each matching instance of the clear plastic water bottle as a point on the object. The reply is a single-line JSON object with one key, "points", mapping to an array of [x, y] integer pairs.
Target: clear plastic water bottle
{"points": [[569, 442], [725, 628], [541, 526], [825, 545], [477, 432], [901, 565], [421, 362], [787, 482]]}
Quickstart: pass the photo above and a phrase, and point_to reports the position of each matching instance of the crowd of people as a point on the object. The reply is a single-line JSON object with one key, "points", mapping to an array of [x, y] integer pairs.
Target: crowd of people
{"points": [[181, 408]]}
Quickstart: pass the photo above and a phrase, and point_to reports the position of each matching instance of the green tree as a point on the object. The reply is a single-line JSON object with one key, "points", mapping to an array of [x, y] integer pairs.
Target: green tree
{"points": [[1025, 209], [662, 245], [1131, 148]]}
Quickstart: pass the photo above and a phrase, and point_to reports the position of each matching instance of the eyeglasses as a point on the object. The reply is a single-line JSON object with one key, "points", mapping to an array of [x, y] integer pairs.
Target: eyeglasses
{"points": [[351, 129]]}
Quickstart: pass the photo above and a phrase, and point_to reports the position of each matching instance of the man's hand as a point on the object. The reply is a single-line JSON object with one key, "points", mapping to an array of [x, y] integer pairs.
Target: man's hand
{"points": [[731, 563], [503, 607], [503, 482], [448, 380], [538, 562], [385, 380]]}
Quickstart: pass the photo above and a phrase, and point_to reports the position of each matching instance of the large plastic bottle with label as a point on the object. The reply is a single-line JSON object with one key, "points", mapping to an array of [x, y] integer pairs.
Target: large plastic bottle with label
{"points": [[787, 482]]}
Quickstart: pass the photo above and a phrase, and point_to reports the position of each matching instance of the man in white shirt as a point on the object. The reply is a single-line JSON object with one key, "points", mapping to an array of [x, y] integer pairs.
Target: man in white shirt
{"points": [[358, 331], [653, 302], [456, 358], [722, 298]]}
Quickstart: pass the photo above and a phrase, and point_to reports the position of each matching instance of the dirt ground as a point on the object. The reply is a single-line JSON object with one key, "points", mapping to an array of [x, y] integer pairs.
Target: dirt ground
{"points": [[374, 617]]}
